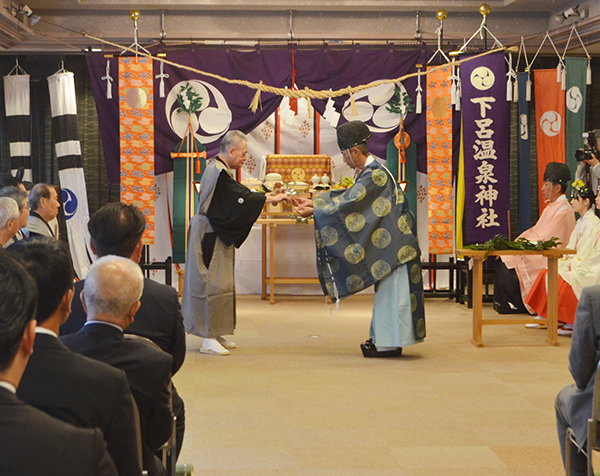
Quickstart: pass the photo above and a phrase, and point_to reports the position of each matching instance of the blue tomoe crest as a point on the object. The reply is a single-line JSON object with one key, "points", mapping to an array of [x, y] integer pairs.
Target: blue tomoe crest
{"points": [[70, 203]]}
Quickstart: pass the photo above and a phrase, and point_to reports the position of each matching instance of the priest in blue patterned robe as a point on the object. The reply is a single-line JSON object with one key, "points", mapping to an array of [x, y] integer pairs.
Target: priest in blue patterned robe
{"points": [[367, 236]]}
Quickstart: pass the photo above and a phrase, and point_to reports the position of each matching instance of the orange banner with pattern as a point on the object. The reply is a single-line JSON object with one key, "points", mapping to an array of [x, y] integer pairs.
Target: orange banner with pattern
{"points": [[439, 162], [136, 128]]}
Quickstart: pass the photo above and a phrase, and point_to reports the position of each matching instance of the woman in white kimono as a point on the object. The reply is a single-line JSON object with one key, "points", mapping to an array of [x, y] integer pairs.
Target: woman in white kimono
{"points": [[574, 271]]}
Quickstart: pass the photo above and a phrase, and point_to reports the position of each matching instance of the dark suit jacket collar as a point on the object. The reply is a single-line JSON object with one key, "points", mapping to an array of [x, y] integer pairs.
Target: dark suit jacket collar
{"points": [[8, 398], [103, 329], [48, 342]]}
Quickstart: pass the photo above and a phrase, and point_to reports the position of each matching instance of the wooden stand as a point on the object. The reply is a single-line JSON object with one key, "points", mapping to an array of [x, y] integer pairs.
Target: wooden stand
{"points": [[268, 259], [553, 255]]}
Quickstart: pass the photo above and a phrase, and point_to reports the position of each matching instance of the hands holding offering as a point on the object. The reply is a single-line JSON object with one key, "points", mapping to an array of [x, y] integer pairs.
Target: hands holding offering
{"points": [[303, 206], [279, 197]]}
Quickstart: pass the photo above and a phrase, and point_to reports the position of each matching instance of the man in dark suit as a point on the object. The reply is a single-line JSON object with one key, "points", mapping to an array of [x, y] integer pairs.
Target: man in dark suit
{"points": [[574, 403], [113, 287], [66, 385], [117, 229], [32, 441]]}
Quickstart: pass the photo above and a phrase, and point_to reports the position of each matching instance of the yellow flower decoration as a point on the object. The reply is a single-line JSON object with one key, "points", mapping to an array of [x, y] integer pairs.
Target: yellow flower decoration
{"points": [[580, 186]]}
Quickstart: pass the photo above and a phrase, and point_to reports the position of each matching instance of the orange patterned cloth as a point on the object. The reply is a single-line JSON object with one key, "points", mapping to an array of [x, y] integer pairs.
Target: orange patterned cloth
{"points": [[136, 108], [298, 168], [439, 162]]}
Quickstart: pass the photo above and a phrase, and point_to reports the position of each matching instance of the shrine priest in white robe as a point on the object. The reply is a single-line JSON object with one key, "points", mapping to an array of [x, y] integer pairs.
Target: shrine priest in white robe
{"points": [[226, 212], [367, 236]]}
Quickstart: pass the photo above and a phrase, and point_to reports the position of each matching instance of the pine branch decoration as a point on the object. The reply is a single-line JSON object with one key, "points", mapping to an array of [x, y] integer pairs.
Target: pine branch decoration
{"points": [[400, 103], [189, 101]]}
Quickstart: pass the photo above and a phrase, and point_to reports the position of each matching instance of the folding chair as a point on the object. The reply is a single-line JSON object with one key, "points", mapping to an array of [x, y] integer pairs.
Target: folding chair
{"points": [[138, 433]]}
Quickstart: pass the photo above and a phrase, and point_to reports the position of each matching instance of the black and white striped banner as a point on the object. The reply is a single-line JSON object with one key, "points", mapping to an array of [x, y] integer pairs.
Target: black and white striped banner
{"points": [[70, 167], [17, 107]]}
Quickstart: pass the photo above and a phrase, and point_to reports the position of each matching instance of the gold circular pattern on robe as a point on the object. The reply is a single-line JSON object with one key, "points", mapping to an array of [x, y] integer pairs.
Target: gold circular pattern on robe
{"points": [[415, 273], [420, 327], [379, 177], [330, 289], [319, 240], [380, 269], [357, 192], [413, 302], [407, 253], [332, 207], [355, 283], [355, 222], [329, 235], [381, 238], [400, 198], [405, 224], [319, 203], [381, 206], [354, 253]]}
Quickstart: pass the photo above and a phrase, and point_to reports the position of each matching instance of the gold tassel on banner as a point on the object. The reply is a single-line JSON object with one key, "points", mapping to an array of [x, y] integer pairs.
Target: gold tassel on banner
{"points": [[256, 100], [353, 105], [528, 87], [559, 72], [516, 91], [563, 79]]}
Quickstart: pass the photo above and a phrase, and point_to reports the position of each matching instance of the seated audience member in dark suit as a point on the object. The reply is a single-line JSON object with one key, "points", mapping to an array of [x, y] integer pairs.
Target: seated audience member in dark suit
{"points": [[113, 287], [574, 403], [66, 385], [34, 443], [117, 229]]}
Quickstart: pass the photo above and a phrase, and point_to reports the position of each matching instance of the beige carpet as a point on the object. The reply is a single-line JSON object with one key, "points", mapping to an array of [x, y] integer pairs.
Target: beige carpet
{"points": [[297, 398]]}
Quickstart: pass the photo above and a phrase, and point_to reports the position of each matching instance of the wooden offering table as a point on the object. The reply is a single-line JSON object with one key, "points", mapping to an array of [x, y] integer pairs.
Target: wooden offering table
{"points": [[478, 256], [268, 259]]}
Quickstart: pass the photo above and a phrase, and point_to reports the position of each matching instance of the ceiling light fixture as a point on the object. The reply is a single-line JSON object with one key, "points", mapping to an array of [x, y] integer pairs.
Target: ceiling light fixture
{"points": [[25, 11], [572, 12]]}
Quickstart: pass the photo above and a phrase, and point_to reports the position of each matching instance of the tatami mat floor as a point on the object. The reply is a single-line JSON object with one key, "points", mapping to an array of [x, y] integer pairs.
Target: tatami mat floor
{"points": [[297, 397]]}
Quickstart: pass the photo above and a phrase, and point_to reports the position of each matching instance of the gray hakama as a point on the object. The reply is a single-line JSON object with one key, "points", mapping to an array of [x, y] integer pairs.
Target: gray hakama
{"points": [[227, 211]]}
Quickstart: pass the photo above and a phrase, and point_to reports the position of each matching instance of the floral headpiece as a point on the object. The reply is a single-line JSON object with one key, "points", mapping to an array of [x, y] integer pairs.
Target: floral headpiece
{"points": [[581, 187]]}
